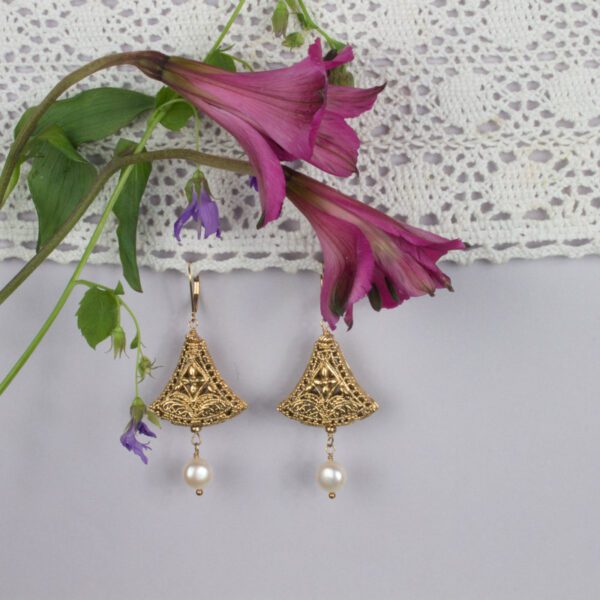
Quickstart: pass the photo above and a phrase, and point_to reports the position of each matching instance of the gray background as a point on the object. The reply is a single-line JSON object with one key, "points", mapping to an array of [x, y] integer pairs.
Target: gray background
{"points": [[479, 478]]}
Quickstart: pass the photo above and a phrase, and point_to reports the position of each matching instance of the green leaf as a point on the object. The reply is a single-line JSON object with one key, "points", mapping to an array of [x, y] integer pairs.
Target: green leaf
{"points": [[57, 184], [55, 136], [218, 58], [280, 18], [293, 40], [119, 291], [126, 209], [178, 113], [293, 4], [92, 115], [98, 315]]}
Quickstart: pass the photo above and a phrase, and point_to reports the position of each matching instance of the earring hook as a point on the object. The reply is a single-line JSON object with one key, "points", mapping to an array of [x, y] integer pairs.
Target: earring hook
{"points": [[194, 290]]}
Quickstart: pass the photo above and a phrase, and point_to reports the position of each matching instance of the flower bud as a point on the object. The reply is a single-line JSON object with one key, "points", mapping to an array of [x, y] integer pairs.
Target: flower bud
{"points": [[280, 18], [293, 40], [118, 341]]}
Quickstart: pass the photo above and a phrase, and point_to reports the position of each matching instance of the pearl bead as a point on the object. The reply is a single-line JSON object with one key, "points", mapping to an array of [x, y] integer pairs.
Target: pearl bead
{"points": [[197, 473], [331, 476]]}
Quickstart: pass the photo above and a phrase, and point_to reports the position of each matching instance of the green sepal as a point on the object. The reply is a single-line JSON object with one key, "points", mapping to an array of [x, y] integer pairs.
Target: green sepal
{"points": [[177, 114], [92, 115], [119, 291], [293, 40], [57, 184], [126, 209], [280, 18], [97, 315], [134, 342], [341, 76], [153, 418], [195, 184], [138, 409]]}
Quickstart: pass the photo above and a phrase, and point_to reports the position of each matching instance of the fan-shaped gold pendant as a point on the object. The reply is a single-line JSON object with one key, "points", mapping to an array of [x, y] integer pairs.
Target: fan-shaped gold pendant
{"points": [[196, 395], [328, 394]]}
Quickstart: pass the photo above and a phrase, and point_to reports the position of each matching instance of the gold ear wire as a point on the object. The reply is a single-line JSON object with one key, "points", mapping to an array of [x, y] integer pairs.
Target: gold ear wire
{"points": [[194, 290]]}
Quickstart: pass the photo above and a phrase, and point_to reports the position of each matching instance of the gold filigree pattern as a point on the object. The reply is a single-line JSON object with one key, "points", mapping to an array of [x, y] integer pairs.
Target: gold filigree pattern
{"points": [[196, 395], [328, 394]]}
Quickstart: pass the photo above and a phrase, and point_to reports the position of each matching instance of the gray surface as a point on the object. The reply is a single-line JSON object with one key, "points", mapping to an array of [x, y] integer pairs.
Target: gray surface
{"points": [[478, 479]]}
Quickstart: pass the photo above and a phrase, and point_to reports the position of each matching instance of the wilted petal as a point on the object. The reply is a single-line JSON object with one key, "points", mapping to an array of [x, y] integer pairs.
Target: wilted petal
{"points": [[130, 442], [145, 430], [209, 214], [190, 212]]}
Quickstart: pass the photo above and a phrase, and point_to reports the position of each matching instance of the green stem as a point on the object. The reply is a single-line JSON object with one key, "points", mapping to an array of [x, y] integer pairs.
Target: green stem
{"points": [[29, 126], [66, 292], [228, 25], [200, 158], [332, 42], [192, 155]]}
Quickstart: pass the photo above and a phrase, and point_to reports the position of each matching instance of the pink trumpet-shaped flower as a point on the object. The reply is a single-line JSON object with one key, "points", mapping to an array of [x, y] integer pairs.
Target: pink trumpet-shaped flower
{"points": [[365, 252], [284, 114]]}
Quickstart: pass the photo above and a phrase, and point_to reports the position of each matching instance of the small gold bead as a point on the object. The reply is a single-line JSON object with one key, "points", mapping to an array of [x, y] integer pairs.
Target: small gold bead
{"points": [[200, 492], [332, 495], [195, 429], [330, 429]]}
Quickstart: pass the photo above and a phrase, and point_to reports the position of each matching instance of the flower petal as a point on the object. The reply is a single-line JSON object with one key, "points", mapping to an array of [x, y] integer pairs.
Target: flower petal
{"points": [[347, 261], [209, 214], [267, 169], [336, 147], [191, 211], [285, 105], [350, 101]]}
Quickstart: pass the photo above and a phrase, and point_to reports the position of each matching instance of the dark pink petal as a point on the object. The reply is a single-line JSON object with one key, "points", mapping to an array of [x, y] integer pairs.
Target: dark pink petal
{"points": [[366, 252], [347, 261], [336, 147], [350, 101], [267, 169], [285, 105]]}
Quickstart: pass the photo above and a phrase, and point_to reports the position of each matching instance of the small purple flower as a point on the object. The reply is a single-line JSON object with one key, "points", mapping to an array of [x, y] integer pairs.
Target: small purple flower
{"points": [[130, 441], [253, 182], [204, 211]]}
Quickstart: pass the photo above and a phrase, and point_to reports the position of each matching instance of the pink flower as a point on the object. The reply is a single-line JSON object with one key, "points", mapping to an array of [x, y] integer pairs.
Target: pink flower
{"points": [[366, 252], [284, 114]]}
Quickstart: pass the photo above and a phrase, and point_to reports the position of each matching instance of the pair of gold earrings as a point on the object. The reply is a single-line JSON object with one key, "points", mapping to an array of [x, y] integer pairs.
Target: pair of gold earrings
{"points": [[196, 396]]}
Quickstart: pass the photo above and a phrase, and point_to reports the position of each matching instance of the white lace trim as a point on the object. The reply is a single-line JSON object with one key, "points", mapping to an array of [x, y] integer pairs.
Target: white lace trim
{"points": [[488, 129]]}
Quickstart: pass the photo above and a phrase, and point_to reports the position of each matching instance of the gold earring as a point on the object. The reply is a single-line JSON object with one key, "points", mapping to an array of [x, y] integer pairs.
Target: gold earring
{"points": [[196, 395], [328, 396]]}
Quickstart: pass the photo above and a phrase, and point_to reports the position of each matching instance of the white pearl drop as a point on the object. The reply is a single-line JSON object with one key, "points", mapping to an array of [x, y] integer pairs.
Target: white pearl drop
{"points": [[197, 473], [331, 476]]}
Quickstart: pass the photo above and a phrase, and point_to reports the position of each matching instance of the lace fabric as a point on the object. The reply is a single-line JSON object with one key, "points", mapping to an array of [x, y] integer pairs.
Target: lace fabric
{"points": [[488, 129]]}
